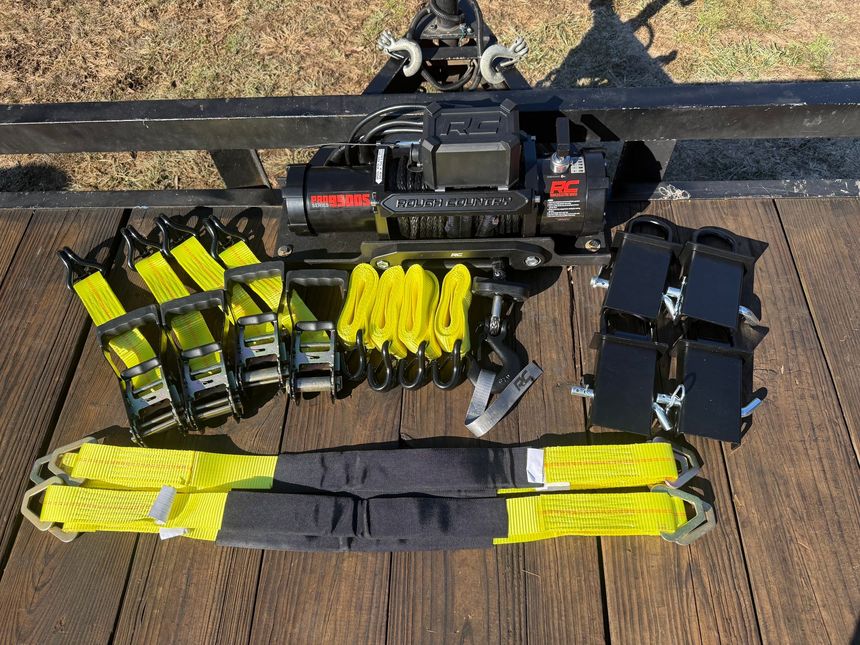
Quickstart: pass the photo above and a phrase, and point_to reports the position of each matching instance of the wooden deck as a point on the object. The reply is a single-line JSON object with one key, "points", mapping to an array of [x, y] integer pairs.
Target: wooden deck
{"points": [[783, 565]]}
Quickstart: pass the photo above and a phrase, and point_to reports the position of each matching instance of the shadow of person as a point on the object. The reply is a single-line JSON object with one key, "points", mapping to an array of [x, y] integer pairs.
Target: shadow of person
{"points": [[33, 177], [611, 53]]}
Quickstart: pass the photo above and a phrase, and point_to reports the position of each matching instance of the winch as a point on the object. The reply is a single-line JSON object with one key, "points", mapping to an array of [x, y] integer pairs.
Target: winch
{"points": [[447, 183]]}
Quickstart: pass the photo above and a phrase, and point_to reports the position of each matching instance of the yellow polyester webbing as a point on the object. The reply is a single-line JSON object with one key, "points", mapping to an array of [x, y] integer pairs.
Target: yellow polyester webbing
{"points": [[209, 276], [360, 298], [585, 467], [185, 470], [451, 320], [270, 289], [540, 517], [190, 329], [81, 509], [420, 298], [102, 305], [385, 314]]}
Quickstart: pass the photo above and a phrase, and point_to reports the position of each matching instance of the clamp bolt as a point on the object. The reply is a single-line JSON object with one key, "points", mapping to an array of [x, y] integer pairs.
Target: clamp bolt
{"points": [[532, 261], [382, 265], [285, 251], [593, 244]]}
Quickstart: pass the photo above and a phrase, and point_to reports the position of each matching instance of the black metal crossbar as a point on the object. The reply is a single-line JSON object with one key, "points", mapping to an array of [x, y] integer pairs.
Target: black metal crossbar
{"points": [[733, 111]]}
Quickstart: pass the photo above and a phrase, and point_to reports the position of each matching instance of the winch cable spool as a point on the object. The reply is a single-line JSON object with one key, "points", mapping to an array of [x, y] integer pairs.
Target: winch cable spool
{"points": [[382, 329], [442, 498], [415, 326]]}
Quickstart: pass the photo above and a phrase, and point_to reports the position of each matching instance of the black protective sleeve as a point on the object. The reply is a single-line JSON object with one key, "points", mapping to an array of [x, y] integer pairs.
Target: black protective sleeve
{"points": [[287, 521], [450, 472]]}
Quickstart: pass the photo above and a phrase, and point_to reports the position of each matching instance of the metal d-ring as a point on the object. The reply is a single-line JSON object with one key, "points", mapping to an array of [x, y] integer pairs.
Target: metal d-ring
{"points": [[457, 371], [388, 367], [359, 350], [420, 363]]}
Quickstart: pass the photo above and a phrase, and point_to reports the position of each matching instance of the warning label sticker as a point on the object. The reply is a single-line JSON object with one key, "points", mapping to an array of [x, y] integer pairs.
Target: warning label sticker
{"points": [[563, 208]]}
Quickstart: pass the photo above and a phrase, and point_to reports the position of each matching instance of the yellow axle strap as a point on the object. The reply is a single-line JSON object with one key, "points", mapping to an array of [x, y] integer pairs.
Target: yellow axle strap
{"points": [[360, 300], [540, 517], [190, 329], [188, 471], [451, 320], [102, 305], [85, 510], [385, 313], [420, 299], [531, 518], [596, 467]]}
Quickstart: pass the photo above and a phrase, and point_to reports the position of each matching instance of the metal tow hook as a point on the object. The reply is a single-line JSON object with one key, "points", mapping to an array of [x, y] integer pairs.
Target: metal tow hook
{"points": [[400, 48], [497, 344], [491, 68]]}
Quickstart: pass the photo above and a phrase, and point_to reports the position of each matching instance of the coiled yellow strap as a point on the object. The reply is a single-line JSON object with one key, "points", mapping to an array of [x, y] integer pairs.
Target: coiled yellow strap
{"points": [[420, 299], [360, 299], [385, 314], [451, 321], [102, 305]]}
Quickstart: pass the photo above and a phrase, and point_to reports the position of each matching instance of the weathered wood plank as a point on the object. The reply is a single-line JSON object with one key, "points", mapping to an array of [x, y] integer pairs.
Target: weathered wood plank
{"points": [[13, 223], [42, 327], [800, 528], [329, 597], [184, 591], [823, 236], [564, 602], [35, 569], [657, 591]]}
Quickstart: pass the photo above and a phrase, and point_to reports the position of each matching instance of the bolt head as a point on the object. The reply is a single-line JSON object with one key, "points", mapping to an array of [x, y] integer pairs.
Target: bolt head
{"points": [[382, 265], [532, 261], [593, 244], [285, 250]]}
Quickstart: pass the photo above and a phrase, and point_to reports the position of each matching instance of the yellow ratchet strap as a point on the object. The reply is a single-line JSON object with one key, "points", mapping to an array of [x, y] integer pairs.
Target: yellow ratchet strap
{"points": [[385, 314], [269, 289], [420, 298], [190, 329], [451, 321], [102, 305], [209, 276], [540, 517], [596, 467], [85, 510], [188, 471], [360, 299]]}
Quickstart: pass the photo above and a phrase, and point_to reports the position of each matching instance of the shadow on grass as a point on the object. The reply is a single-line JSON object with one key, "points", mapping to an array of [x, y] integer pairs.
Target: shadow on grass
{"points": [[33, 177], [618, 53]]}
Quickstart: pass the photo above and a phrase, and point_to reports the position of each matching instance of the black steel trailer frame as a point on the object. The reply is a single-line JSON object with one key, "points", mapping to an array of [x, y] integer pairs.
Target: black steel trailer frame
{"points": [[647, 121]]}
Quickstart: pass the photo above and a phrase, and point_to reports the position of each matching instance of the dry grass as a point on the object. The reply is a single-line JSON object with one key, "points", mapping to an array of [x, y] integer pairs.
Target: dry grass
{"points": [[123, 49]]}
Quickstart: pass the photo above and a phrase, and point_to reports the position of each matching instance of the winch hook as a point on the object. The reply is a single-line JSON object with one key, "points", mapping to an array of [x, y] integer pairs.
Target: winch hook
{"points": [[389, 368], [406, 365], [456, 377]]}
